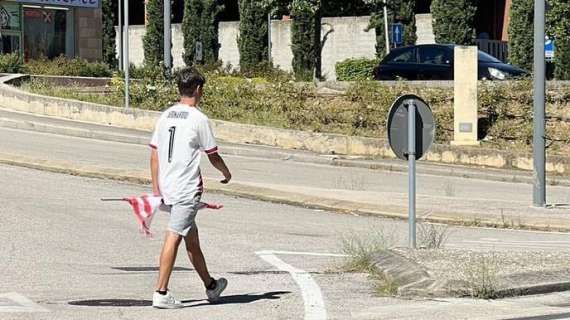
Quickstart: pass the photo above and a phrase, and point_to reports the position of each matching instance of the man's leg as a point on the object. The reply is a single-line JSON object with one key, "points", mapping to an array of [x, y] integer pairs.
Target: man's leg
{"points": [[167, 259], [196, 256]]}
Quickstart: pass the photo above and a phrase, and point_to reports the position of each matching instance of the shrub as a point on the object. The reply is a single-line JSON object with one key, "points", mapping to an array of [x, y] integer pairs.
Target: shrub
{"points": [[521, 32], [402, 11], [62, 66], [559, 15], [11, 63], [306, 38], [109, 35], [253, 33], [355, 69], [200, 24], [454, 21], [153, 40]]}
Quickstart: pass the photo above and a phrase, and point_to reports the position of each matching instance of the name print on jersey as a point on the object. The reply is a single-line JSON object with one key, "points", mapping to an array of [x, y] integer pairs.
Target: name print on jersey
{"points": [[178, 115]]}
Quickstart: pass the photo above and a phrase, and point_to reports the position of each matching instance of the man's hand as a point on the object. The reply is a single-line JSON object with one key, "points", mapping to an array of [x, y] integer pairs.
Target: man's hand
{"points": [[218, 163], [227, 178]]}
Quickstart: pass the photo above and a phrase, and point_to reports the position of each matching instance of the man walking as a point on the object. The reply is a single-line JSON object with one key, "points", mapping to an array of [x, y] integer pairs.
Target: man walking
{"points": [[180, 135]]}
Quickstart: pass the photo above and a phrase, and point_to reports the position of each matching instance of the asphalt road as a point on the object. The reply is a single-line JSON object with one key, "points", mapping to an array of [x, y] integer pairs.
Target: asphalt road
{"points": [[67, 255]]}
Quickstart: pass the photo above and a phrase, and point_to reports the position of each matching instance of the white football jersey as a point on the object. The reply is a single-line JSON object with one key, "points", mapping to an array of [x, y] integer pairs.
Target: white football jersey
{"points": [[180, 134]]}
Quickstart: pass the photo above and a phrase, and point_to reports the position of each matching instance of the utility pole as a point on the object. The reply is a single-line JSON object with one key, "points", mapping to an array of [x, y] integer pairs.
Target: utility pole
{"points": [[120, 32], [539, 149], [167, 38], [269, 37], [126, 53], [386, 26]]}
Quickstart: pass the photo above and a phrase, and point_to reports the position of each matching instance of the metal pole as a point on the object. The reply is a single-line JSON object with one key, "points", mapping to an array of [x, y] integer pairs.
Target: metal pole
{"points": [[167, 37], [386, 26], [126, 64], [539, 150], [120, 32], [412, 171], [269, 37]]}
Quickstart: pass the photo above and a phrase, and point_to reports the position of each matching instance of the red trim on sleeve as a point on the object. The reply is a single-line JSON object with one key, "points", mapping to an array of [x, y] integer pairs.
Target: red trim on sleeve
{"points": [[212, 151], [152, 146]]}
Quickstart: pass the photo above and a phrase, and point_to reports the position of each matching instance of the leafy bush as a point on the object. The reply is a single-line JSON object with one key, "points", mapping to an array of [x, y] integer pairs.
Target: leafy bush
{"points": [[109, 34], [11, 63], [306, 38], [454, 21], [402, 11], [521, 42], [62, 66], [253, 32], [200, 24], [355, 69], [153, 40], [559, 16]]}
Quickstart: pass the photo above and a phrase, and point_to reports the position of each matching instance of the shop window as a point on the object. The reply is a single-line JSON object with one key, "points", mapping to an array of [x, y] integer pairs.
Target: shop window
{"points": [[45, 33], [10, 28]]}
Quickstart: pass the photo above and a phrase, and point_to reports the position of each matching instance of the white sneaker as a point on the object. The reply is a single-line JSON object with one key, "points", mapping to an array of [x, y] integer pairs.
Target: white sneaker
{"points": [[214, 294], [165, 301]]}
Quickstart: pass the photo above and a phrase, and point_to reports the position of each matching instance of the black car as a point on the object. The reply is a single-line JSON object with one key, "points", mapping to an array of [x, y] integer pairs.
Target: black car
{"points": [[435, 62]]}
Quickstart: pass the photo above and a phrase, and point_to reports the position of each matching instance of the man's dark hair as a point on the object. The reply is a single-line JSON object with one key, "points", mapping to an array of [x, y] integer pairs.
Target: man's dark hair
{"points": [[189, 79]]}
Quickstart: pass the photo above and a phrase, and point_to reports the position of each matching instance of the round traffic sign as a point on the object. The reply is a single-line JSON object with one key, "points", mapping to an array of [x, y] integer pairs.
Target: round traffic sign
{"points": [[398, 126]]}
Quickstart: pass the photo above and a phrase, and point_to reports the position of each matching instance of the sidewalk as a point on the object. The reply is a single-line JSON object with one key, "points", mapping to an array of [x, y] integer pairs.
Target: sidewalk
{"points": [[298, 178]]}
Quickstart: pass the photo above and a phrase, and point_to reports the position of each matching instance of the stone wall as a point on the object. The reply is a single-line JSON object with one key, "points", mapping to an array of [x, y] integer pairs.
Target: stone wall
{"points": [[89, 34], [343, 38]]}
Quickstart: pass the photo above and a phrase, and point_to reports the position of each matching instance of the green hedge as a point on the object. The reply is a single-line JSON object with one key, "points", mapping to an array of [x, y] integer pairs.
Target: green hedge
{"points": [[11, 63], [62, 66], [505, 108], [355, 69]]}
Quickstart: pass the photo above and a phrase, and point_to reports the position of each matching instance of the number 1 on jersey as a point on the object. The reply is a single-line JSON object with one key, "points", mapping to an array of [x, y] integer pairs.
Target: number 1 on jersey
{"points": [[172, 131]]}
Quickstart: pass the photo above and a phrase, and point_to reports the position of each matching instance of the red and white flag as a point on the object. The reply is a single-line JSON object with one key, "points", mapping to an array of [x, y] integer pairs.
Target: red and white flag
{"points": [[144, 208]]}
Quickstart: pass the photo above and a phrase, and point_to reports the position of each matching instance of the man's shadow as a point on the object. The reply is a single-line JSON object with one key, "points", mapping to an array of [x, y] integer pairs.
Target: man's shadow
{"points": [[233, 299], [239, 298]]}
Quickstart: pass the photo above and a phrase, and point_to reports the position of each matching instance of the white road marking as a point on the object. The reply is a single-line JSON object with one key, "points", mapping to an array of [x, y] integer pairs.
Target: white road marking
{"points": [[293, 253], [15, 302], [310, 290]]}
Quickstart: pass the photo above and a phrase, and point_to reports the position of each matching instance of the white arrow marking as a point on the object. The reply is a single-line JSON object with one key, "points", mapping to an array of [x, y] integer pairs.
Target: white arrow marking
{"points": [[312, 296], [14, 302]]}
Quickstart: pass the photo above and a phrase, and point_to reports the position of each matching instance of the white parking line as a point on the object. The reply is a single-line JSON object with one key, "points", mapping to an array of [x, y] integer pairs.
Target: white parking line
{"points": [[310, 290]]}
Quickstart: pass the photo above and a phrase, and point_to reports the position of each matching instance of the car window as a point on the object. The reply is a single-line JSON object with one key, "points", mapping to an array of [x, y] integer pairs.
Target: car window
{"points": [[484, 57], [404, 56], [434, 55]]}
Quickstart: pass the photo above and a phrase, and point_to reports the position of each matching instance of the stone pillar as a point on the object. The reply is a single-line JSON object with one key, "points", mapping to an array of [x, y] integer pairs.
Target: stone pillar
{"points": [[466, 99], [89, 33]]}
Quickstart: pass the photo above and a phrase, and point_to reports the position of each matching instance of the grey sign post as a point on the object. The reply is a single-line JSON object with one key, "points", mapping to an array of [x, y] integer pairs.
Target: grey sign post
{"points": [[126, 64], [539, 149], [411, 131], [167, 37]]}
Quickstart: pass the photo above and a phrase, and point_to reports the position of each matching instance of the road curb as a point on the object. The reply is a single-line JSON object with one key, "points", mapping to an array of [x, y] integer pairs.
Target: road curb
{"points": [[413, 280], [254, 192], [266, 152]]}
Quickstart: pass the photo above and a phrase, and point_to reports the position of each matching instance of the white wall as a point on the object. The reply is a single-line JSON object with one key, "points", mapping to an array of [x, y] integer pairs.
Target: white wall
{"points": [[347, 39]]}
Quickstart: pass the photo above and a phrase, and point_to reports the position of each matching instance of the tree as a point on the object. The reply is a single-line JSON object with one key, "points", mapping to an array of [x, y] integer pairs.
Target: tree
{"points": [[200, 25], [306, 38], [454, 21], [153, 40], [253, 33], [559, 17], [400, 11], [521, 32], [109, 34]]}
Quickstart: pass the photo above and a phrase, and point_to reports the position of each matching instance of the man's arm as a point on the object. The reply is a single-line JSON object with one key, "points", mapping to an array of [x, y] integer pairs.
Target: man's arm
{"points": [[154, 171], [218, 163]]}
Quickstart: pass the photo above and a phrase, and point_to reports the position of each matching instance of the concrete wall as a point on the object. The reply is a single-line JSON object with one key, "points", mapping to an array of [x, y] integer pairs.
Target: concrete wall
{"points": [[89, 34], [345, 38]]}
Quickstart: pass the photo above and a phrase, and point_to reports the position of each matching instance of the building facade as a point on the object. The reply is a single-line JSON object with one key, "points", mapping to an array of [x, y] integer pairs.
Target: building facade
{"points": [[51, 28]]}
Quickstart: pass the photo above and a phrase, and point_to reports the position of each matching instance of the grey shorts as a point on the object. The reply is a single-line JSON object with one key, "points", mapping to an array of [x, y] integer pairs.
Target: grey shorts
{"points": [[183, 216]]}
